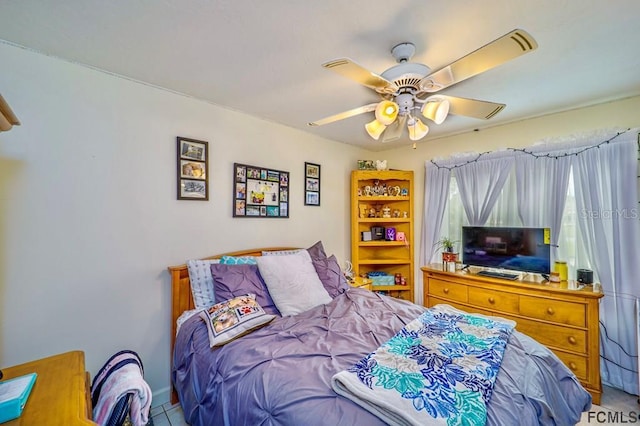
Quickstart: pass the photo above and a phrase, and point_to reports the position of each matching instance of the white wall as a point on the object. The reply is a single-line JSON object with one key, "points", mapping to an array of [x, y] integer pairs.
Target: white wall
{"points": [[89, 219], [619, 114]]}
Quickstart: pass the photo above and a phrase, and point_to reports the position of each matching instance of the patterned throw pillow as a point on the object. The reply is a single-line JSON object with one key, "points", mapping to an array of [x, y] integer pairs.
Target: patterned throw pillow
{"points": [[238, 260], [280, 252], [202, 289], [234, 318]]}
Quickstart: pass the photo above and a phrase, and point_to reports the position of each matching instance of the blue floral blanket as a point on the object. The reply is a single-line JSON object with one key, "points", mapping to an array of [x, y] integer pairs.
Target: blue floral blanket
{"points": [[439, 369]]}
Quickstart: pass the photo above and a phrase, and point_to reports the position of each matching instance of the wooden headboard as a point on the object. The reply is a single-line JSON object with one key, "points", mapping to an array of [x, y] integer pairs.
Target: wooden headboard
{"points": [[181, 299]]}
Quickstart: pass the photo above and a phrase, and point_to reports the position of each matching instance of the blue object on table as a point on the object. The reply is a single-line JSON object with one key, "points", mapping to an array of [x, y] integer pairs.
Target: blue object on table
{"points": [[13, 396]]}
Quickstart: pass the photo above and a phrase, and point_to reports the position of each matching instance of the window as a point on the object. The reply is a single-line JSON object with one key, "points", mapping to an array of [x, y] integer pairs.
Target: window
{"points": [[505, 213]]}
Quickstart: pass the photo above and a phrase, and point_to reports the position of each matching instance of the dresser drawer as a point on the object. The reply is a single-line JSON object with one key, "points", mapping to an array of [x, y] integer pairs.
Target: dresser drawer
{"points": [[577, 364], [494, 300], [557, 311], [433, 301], [557, 336], [448, 290]]}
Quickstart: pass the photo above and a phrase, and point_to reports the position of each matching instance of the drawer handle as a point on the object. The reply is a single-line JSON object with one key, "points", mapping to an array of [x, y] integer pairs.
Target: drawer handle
{"points": [[572, 340], [445, 290], [492, 300], [550, 311], [572, 365]]}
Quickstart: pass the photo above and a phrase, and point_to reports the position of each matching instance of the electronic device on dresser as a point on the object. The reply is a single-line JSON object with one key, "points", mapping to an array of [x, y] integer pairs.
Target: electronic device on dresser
{"points": [[512, 248], [585, 276]]}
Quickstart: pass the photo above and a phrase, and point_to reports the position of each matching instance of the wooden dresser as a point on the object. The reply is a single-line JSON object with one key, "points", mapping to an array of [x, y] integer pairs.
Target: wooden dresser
{"points": [[60, 394], [566, 321]]}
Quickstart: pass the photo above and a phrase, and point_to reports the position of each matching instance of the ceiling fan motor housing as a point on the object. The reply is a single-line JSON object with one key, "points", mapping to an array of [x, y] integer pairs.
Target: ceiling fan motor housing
{"points": [[405, 103], [406, 75]]}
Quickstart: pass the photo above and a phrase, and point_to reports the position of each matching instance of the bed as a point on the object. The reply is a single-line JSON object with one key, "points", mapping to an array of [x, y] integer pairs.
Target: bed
{"points": [[285, 371]]}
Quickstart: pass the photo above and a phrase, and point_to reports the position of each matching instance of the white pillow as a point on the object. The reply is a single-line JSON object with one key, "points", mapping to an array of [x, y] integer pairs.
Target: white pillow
{"points": [[293, 282], [202, 282]]}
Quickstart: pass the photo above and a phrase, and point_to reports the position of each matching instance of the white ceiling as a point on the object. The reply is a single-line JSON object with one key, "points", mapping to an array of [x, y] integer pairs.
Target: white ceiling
{"points": [[264, 57]]}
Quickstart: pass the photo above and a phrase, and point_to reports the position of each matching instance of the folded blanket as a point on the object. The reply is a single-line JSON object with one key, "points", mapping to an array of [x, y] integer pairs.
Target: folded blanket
{"points": [[439, 369], [127, 379]]}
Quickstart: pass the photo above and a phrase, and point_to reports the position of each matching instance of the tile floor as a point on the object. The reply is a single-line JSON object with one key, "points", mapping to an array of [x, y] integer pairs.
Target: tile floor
{"points": [[168, 415], [617, 407]]}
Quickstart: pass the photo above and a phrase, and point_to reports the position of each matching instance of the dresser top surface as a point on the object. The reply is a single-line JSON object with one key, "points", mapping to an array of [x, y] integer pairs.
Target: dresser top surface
{"points": [[471, 276]]}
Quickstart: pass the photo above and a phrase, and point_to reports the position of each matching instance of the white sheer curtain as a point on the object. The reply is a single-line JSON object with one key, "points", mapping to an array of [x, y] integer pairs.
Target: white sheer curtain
{"points": [[436, 184], [547, 179], [568, 184], [480, 184], [505, 211], [607, 203]]}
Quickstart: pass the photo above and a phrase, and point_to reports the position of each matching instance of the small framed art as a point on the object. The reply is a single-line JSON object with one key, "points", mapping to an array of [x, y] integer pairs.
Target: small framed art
{"points": [[311, 184], [260, 192], [193, 177]]}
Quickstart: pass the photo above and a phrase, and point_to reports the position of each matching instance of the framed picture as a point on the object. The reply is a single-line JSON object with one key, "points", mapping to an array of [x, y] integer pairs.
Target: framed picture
{"points": [[366, 165], [260, 192], [311, 184], [192, 176]]}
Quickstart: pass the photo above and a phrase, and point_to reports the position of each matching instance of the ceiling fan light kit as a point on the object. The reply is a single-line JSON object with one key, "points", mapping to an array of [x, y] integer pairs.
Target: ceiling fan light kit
{"points": [[417, 129], [436, 109], [375, 129], [406, 88], [386, 112]]}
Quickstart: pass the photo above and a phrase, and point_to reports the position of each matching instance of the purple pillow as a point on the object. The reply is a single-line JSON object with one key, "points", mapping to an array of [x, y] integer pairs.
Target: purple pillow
{"points": [[317, 252], [328, 270], [331, 276], [231, 281]]}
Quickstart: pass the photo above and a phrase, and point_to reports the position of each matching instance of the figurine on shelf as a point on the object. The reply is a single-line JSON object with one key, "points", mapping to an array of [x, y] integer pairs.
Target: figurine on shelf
{"points": [[394, 191], [363, 209], [386, 211], [381, 165], [372, 212], [396, 213]]}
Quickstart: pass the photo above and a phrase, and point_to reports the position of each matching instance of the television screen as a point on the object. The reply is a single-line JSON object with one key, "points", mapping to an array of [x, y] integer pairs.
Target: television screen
{"points": [[519, 249]]}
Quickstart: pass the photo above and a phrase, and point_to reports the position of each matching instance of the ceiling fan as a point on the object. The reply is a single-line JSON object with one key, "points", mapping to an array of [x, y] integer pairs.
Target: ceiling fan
{"points": [[407, 89]]}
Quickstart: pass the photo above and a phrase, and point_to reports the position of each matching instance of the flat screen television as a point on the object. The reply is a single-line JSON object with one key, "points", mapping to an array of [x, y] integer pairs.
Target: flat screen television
{"points": [[513, 248]]}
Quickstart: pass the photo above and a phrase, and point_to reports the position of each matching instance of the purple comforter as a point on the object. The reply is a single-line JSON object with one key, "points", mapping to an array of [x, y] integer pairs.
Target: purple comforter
{"points": [[281, 373]]}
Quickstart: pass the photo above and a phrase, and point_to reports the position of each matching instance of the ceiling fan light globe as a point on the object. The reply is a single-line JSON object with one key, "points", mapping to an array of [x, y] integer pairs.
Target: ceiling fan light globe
{"points": [[417, 129], [436, 110], [386, 112], [375, 129]]}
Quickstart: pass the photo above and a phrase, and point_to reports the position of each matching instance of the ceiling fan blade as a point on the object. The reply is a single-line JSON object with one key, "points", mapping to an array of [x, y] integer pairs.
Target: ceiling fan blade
{"points": [[473, 108], [509, 46], [347, 68], [394, 130], [345, 114]]}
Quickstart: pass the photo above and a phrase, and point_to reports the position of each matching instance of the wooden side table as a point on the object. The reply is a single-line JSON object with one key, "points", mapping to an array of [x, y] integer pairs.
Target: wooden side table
{"points": [[60, 394], [361, 282]]}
